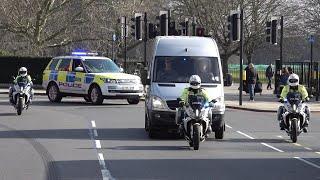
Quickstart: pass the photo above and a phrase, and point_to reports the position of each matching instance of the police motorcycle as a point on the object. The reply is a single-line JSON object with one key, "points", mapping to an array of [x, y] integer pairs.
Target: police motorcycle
{"points": [[294, 115], [194, 119], [21, 96]]}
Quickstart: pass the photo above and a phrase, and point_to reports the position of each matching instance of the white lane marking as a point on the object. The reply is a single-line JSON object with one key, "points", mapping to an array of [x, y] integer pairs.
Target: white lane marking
{"points": [[307, 162], [307, 148], [228, 126], [95, 133], [296, 144], [106, 174], [93, 124], [317, 152], [98, 144], [265, 144], [245, 135], [101, 160], [280, 137]]}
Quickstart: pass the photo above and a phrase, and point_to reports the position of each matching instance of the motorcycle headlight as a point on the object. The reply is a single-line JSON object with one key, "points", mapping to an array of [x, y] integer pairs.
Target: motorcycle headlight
{"points": [[157, 103]]}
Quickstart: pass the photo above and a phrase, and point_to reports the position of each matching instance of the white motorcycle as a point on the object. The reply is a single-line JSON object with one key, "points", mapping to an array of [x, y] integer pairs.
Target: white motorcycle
{"points": [[294, 115], [21, 96], [195, 117]]}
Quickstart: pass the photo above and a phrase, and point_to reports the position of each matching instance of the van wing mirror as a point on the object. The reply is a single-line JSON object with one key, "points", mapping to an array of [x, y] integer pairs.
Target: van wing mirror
{"points": [[144, 77], [79, 69]]}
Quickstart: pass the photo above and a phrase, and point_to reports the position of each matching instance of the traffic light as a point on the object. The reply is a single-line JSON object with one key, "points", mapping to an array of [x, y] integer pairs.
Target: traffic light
{"points": [[200, 32], [234, 26], [164, 23], [152, 31], [274, 31], [137, 26], [268, 31]]}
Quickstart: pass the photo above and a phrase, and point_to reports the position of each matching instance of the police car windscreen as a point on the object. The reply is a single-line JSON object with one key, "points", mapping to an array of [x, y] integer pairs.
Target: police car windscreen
{"points": [[101, 66], [179, 69]]}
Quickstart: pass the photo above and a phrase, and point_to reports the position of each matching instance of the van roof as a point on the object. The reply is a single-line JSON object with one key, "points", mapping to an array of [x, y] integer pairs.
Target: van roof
{"points": [[186, 46]]}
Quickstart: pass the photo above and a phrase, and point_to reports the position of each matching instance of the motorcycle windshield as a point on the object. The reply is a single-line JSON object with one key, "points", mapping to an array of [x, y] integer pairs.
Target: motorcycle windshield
{"points": [[294, 98], [196, 101], [22, 84]]}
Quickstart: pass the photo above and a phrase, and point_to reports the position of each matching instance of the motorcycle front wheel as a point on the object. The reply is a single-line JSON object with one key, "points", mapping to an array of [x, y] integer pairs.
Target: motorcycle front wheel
{"points": [[294, 130], [20, 106], [196, 136]]}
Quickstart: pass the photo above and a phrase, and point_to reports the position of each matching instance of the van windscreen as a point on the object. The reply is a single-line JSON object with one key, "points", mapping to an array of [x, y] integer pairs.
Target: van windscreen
{"points": [[178, 69]]}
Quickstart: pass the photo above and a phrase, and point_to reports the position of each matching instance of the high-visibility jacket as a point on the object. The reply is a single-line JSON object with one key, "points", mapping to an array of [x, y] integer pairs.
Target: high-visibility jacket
{"points": [[188, 91], [301, 89]]}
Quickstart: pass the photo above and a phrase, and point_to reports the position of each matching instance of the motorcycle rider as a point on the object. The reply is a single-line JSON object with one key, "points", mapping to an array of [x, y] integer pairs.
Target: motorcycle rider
{"points": [[293, 86], [22, 77], [194, 89]]}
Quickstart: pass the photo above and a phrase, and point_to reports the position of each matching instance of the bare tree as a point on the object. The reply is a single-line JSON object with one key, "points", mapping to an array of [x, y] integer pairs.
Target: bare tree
{"points": [[43, 23]]}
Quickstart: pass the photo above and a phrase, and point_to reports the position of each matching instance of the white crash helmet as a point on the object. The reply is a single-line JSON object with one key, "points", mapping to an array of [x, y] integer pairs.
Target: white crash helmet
{"points": [[293, 80], [23, 72], [195, 82]]}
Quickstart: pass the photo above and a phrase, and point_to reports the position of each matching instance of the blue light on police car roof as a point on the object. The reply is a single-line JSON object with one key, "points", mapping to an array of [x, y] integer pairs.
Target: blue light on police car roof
{"points": [[83, 53], [79, 53]]}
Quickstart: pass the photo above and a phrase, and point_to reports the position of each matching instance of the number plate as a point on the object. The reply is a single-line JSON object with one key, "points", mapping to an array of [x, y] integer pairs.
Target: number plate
{"points": [[128, 88]]}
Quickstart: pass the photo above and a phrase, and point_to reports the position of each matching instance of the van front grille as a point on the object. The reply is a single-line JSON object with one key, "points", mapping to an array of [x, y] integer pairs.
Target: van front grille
{"points": [[173, 104]]}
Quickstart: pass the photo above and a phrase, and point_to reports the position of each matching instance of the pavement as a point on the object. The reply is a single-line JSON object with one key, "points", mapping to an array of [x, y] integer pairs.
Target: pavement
{"points": [[264, 102]]}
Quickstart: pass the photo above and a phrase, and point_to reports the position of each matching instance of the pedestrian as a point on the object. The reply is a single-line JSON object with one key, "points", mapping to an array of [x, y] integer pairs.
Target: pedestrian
{"points": [[269, 75], [283, 79], [251, 77], [290, 70]]}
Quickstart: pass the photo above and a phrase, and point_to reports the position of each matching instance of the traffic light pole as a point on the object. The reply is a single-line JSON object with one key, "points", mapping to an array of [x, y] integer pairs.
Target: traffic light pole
{"points": [[125, 44], [241, 57], [145, 38], [279, 67], [281, 41]]}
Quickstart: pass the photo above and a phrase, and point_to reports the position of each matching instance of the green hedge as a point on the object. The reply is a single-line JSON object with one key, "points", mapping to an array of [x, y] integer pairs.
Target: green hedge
{"points": [[10, 66]]}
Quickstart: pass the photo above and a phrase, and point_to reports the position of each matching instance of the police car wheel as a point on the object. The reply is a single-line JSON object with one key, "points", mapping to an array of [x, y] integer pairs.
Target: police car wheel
{"points": [[133, 100], [96, 95], [54, 93]]}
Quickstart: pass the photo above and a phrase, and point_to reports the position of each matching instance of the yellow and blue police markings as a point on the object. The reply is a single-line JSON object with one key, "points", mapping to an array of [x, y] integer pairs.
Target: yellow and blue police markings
{"points": [[88, 79], [53, 75]]}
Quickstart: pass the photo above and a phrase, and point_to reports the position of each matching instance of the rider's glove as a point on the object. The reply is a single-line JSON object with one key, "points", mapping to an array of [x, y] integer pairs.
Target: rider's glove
{"points": [[306, 99], [281, 100]]}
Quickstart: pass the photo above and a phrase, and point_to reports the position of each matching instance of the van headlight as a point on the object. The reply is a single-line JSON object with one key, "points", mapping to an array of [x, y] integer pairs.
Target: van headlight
{"points": [[157, 103]]}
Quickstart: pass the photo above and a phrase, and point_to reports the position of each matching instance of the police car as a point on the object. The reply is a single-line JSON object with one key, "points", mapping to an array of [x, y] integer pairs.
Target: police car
{"points": [[90, 76]]}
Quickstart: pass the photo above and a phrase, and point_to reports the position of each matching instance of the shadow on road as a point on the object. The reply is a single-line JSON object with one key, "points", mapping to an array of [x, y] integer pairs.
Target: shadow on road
{"points": [[191, 168], [7, 114], [121, 134]]}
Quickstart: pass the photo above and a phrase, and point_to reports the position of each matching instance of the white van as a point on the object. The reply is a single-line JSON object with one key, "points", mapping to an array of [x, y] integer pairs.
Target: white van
{"points": [[172, 60]]}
